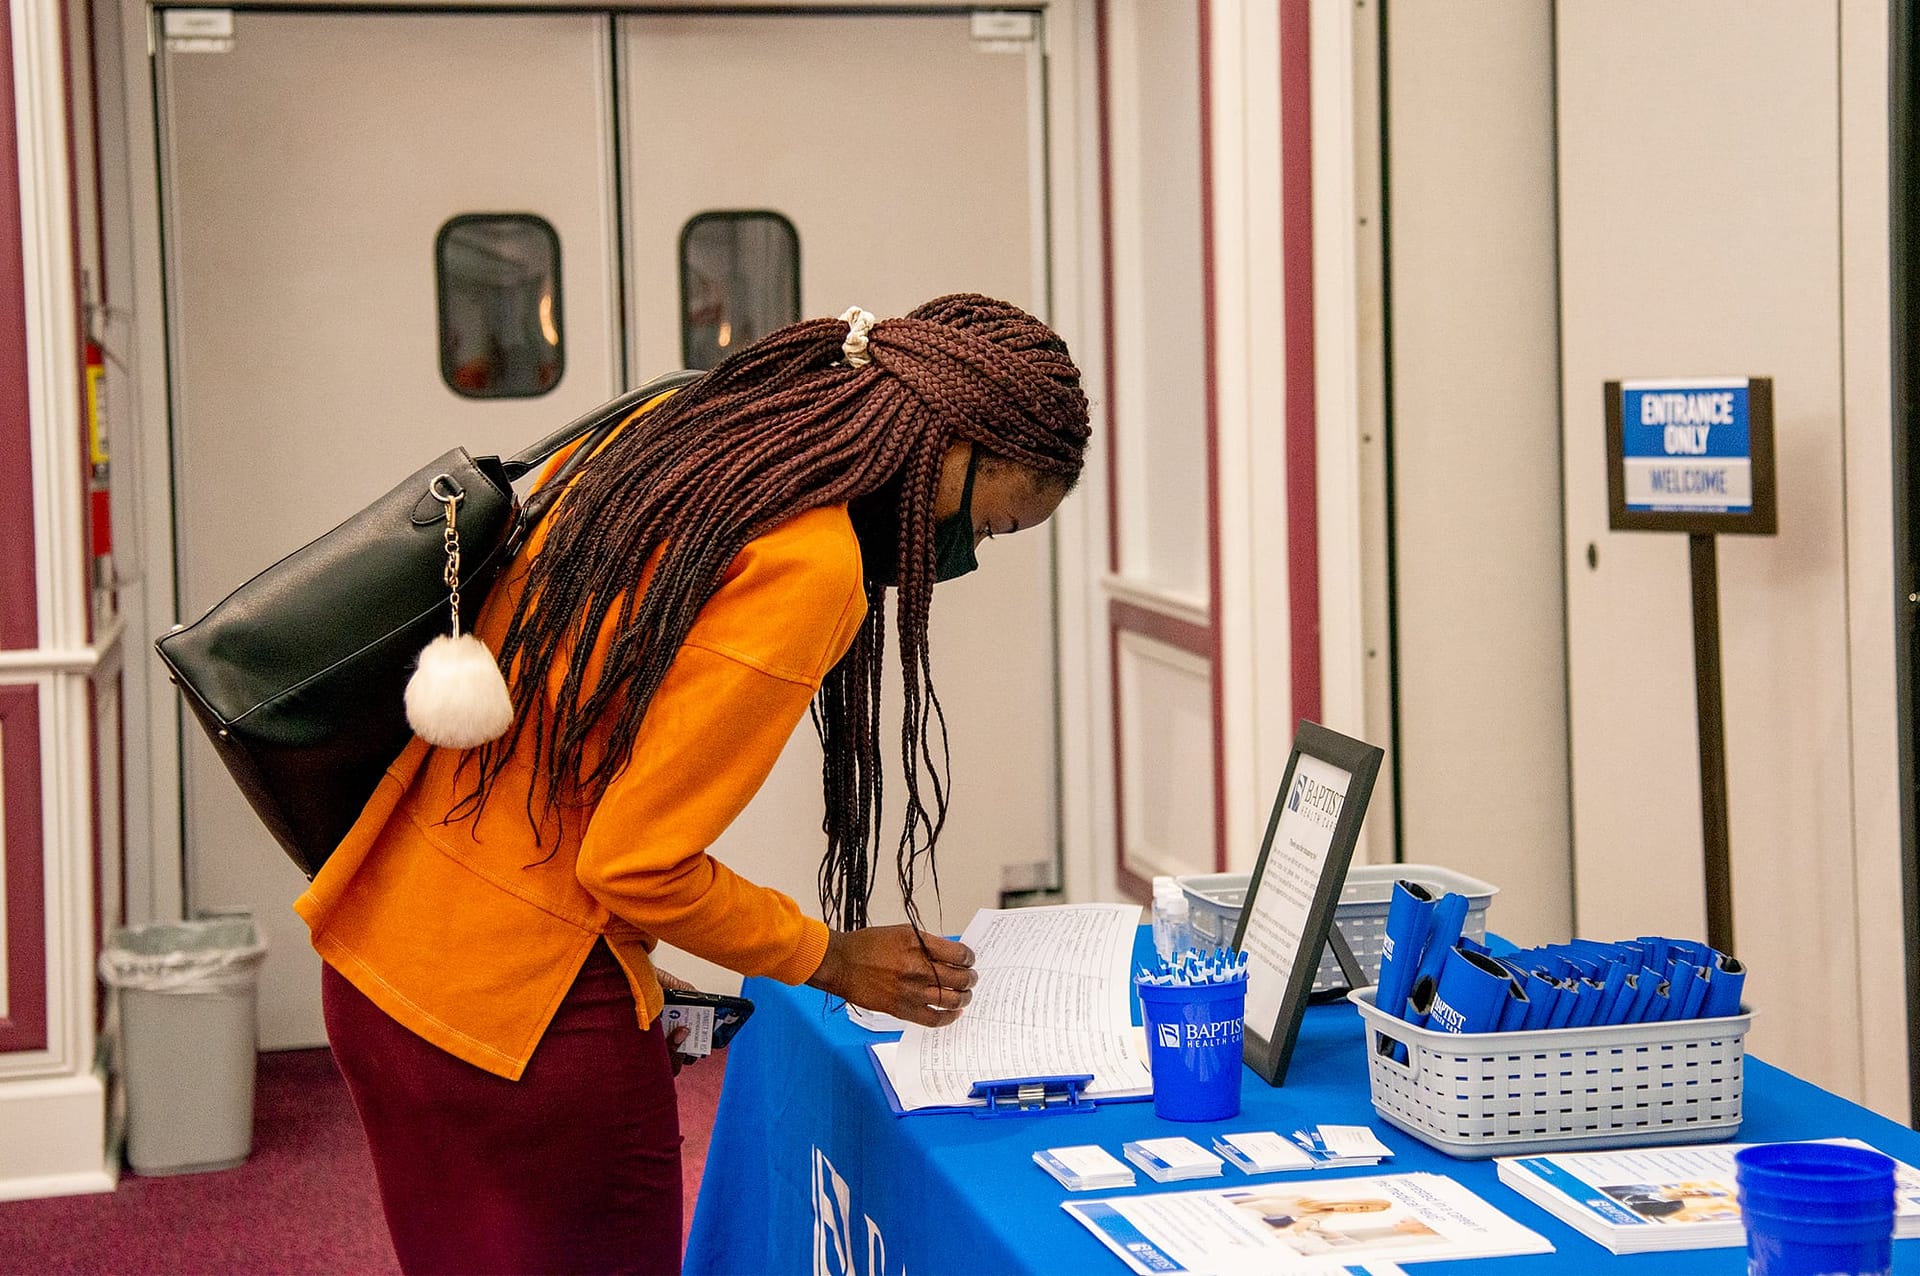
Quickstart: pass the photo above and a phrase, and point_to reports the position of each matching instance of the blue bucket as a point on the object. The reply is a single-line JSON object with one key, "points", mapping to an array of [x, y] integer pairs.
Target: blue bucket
{"points": [[1816, 1209], [1194, 1037]]}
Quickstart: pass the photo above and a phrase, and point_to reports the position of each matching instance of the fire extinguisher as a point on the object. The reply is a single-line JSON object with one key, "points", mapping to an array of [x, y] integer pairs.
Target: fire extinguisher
{"points": [[99, 468]]}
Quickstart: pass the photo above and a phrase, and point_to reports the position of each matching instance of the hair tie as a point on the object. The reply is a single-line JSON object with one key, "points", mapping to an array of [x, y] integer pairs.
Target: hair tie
{"points": [[859, 324]]}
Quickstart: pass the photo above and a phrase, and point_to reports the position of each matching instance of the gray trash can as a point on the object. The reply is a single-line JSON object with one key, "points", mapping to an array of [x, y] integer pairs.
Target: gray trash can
{"points": [[187, 1014]]}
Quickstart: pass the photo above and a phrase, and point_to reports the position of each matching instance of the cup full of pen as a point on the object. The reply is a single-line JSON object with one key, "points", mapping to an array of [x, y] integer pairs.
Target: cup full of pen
{"points": [[1194, 1008]]}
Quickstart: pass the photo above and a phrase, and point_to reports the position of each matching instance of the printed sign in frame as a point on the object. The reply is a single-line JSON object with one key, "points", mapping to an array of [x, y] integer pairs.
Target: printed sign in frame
{"points": [[1296, 884], [1691, 455]]}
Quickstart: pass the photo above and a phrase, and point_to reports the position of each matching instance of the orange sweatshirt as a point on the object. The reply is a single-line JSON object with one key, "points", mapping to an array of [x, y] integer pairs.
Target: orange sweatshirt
{"points": [[465, 932]]}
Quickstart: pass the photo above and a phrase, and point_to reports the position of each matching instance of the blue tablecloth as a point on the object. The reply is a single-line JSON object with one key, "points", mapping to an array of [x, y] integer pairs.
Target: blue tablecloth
{"points": [[810, 1171]]}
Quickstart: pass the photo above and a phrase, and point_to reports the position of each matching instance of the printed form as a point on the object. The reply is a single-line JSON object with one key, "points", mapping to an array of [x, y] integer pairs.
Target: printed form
{"points": [[1052, 999]]}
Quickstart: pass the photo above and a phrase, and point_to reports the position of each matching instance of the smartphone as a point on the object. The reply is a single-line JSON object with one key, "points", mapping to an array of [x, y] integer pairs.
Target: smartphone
{"points": [[710, 1018]]}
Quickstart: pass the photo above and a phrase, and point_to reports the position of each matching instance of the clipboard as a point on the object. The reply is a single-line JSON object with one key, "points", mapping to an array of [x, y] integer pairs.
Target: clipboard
{"points": [[1056, 1097]]}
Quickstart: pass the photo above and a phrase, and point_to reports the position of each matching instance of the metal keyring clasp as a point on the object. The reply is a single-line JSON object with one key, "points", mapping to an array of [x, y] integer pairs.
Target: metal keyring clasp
{"points": [[455, 492]]}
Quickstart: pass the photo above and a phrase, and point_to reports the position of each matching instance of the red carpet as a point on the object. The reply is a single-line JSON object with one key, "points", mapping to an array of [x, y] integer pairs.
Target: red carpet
{"points": [[303, 1203]]}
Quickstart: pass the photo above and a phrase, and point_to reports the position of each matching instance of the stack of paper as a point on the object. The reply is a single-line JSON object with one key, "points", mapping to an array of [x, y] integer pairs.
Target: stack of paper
{"points": [[1172, 1160], [1084, 1167], [1661, 1198], [1332, 1145], [1262, 1152], [1051, 1000]]}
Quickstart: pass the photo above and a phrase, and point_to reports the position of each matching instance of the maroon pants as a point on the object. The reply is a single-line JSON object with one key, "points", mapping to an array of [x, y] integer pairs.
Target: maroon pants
{"points": [[573, 1168]]}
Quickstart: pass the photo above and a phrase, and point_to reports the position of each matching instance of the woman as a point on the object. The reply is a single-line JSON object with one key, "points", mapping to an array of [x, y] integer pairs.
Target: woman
{"points": [[720, 565]]}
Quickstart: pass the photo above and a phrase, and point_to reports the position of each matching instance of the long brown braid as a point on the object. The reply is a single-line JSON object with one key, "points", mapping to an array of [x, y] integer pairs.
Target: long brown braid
{"points": [[781, 427]]}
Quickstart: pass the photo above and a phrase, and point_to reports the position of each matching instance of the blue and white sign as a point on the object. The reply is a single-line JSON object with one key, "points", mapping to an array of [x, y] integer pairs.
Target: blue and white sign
{"points": [[1686, 446]]}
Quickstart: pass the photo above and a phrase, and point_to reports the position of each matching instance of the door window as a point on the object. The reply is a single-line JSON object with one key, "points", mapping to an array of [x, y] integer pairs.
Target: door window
{"points": [[499, 283], [739, 280]]}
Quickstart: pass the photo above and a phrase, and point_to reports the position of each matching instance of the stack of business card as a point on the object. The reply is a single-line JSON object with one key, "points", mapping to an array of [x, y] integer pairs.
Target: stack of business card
{"points": [[1171, 1160], [1331, 1145], [1262, 1152], [1084, 1167]]}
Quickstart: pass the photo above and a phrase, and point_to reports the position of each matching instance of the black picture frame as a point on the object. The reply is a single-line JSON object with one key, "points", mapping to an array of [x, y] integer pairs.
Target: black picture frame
{"points": [[1761, 520], [1268, 1046]]}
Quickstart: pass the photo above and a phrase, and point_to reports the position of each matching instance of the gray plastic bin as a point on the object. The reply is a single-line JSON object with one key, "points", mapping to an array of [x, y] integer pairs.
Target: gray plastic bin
{"points": [[187, 1014], [1214, 901]]}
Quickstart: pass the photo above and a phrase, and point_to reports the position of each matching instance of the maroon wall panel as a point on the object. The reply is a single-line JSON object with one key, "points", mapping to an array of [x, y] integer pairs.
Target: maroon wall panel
{"points": [[1296, 214], [24, 1025], [18, 625]]}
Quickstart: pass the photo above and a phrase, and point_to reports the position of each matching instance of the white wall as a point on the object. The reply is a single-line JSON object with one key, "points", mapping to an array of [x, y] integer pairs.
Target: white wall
{"points": [[1705, 186], [1160, 350], [1475, 438], [1256, 254], [1723, 212], [1717, 173]]}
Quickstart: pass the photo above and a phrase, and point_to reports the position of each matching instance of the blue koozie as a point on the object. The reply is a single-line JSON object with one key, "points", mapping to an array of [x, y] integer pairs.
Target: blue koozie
{"points": [[1409, 919], [1449, 918], [1470, 994], [1194, 1037], [1816, 1209]]}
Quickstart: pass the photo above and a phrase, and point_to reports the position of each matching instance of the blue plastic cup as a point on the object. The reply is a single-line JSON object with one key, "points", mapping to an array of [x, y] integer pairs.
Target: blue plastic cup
{"points": [[1194, 1037], [1816, 1209]]}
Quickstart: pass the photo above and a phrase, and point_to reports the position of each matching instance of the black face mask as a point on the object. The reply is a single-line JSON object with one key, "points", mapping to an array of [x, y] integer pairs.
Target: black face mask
{"points": [[876, 523]]}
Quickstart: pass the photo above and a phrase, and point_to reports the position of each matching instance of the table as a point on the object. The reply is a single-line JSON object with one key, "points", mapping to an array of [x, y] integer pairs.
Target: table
{"points": [[809, 1170]]}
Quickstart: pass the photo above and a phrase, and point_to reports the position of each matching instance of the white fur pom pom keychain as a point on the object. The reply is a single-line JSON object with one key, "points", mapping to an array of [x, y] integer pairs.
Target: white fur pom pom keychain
{"points": [[457, 699]]}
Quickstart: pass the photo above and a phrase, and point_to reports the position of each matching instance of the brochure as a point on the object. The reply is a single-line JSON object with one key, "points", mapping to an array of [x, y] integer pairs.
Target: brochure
{"points": [[1293, 1227], [1634, 1201]]}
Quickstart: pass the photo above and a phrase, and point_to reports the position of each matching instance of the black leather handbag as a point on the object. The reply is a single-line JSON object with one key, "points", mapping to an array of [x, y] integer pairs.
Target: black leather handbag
{"points": [[299, 675]]}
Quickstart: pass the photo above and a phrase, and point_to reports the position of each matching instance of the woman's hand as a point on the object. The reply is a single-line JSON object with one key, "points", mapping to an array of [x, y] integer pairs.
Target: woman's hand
{"points": [[884, 968], [678, 1035]]}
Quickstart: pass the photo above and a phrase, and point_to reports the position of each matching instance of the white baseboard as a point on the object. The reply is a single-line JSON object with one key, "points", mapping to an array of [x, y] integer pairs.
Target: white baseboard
{"points": [[56, 1142], [34, 1189]]}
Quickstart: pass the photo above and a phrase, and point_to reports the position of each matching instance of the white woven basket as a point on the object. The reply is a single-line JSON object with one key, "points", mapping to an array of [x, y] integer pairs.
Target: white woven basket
{"points": [[1214, 901], [1557, 1089]]}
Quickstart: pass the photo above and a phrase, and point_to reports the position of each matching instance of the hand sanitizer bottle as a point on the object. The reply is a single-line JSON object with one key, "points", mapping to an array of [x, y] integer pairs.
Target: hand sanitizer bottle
{"points": [[1170, 937], [1179, 923]]}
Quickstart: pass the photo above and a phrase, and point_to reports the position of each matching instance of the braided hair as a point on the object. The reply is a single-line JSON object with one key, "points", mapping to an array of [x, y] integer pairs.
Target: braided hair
{"points": [[783, 426]]}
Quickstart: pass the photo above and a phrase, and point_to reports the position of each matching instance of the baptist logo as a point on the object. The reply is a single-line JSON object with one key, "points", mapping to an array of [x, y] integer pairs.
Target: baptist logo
{"points": [[1170, 1035], [1446, 1018], [1152, 1259], [1318, 802], [833, 1226], [1218, 1033]]}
